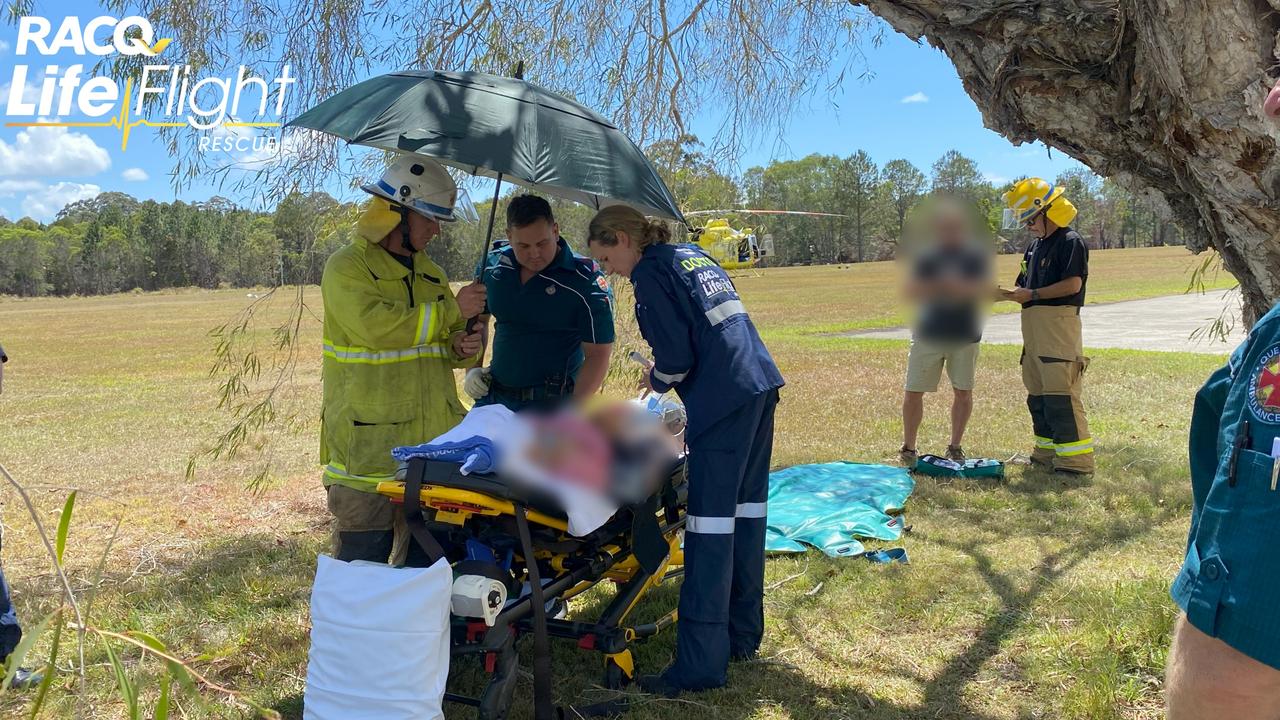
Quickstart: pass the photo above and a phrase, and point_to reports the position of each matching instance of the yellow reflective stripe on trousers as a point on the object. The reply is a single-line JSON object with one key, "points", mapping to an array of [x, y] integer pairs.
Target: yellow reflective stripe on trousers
{"points": [[373, 357], [1081, 447], [338, 471], [1044, 443]]}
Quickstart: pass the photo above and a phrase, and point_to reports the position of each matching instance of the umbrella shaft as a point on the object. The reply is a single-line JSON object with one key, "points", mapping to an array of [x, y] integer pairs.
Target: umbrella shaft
{"points": [[493, 213], [473, 324]]}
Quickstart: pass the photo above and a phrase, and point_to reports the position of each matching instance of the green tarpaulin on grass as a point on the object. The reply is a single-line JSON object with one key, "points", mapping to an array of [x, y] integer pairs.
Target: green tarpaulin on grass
{"points": [[830, 505]]}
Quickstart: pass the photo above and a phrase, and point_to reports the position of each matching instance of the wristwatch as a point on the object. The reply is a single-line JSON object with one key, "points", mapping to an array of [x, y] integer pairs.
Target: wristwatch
{"points": [[1035, 295]]}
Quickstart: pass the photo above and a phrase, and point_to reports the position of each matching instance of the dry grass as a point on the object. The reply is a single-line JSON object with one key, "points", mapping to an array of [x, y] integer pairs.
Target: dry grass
{"points": [[1031, 598]]}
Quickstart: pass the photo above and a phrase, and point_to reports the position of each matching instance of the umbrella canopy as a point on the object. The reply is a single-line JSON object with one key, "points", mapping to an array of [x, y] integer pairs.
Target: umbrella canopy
{"points": [[494, 126]]}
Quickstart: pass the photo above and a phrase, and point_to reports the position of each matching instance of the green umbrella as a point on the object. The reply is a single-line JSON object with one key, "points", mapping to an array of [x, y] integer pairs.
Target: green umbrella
{"points": [[498, 127]]}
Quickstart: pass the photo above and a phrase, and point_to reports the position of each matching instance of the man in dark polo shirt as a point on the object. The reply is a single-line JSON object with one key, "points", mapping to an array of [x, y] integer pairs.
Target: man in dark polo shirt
{"points": [[554, 317], [1051, 289], [950, 277]]}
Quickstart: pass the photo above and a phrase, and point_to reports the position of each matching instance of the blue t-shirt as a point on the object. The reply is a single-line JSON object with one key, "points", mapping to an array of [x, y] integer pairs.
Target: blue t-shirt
{"points": [[542, 323]]}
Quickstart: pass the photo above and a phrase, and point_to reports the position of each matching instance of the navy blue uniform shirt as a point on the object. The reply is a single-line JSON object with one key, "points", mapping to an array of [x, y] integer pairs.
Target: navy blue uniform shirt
{"points": [[542, 323], [704, 344], [1053, 259]]}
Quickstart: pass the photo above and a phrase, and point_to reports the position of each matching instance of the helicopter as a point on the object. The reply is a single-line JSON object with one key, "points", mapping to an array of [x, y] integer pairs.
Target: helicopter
{"points": [[738, 249]]}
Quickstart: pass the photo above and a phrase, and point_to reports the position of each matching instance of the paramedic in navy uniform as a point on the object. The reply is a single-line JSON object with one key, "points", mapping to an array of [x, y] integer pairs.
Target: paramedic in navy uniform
{"points": [[705, 347]]}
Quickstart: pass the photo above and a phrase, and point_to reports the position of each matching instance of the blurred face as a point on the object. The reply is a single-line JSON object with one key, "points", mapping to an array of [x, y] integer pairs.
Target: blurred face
{"points": [[617, 259], [421, 230], [1038, 226], [534, 244], [951, 229], [1271, 106]]}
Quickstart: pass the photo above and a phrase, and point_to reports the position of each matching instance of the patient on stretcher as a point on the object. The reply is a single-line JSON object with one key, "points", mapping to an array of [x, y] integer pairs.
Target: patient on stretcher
{"points": [[593, 462], [620, 449]]}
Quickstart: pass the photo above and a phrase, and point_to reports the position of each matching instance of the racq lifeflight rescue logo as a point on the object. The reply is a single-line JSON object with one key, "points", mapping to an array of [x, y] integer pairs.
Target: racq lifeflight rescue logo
{"points": [[203, 103], [1264, 391]]}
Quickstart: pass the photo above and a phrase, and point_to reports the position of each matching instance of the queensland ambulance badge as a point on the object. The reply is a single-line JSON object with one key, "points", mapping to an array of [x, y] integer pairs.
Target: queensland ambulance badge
{"points": [[1264, 389]]}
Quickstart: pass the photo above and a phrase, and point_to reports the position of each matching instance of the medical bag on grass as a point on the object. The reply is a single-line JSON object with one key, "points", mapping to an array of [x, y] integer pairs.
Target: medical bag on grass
{"points": [[972, 468]]}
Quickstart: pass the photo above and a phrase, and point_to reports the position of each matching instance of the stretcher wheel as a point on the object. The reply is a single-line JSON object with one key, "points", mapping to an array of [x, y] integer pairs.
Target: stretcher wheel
{"points": [[495, 701]]}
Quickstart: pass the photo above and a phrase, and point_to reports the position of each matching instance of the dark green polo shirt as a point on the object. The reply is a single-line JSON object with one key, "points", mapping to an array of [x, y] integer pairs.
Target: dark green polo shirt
{"points": [[541, 324]]}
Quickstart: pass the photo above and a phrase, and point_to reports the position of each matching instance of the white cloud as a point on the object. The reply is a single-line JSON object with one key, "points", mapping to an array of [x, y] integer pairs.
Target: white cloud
{"points": [[4, 46], [135, 175], [46, 151], [44, 204], [9, 188], [995, 179], [915, 98]]}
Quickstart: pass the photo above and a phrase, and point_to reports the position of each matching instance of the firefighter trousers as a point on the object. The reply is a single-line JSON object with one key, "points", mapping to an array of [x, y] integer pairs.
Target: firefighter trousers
{"points": [[1053, 367]]}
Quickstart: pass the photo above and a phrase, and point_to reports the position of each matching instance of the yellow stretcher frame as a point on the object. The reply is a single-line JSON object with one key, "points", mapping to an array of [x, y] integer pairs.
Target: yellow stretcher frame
{"points": [[457, 506]]}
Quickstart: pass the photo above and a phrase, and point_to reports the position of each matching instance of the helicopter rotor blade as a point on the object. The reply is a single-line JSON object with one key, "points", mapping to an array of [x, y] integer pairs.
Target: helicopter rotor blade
{"points": [[750, 211]]}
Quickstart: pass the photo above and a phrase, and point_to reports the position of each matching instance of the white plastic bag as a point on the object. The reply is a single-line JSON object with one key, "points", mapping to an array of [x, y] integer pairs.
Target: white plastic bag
{"points": [[379, 641]]}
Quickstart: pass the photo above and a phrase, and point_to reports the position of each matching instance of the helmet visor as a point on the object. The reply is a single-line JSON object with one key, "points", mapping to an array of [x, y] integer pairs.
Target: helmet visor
{"points": [[1010, 220], [464, 209]]}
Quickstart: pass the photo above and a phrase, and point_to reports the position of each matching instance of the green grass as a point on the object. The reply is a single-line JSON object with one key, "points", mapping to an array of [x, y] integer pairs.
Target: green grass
{"points": [[1032, 598]]}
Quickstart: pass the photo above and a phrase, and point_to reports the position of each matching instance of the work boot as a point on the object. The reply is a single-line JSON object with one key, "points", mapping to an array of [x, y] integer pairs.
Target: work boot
{"points": [[24, 679], [658, 685], [1043, 459], [908, 456], [955, 453]]}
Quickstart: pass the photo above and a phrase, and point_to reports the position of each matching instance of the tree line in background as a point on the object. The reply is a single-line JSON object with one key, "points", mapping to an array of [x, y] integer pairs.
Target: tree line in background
{"points": [[116, 243]]}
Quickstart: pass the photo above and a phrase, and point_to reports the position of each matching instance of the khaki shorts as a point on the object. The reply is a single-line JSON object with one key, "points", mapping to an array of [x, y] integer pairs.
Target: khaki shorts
{"points": [[927, 358]]}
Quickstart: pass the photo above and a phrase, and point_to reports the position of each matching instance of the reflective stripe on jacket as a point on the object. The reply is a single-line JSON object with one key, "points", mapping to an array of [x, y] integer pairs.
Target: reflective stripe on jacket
{"points": [[388, 361]]}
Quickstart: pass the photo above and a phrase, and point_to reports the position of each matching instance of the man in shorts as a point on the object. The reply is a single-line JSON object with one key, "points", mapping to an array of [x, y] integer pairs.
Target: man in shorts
{"points": [[949, 277]]}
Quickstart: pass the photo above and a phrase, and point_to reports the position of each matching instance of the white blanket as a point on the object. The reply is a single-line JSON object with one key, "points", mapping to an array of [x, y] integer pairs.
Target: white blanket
{"points": [[511, 434]]}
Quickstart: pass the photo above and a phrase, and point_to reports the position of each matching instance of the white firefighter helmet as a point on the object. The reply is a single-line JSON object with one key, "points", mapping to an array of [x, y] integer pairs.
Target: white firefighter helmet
{"points": [[425, 187]]}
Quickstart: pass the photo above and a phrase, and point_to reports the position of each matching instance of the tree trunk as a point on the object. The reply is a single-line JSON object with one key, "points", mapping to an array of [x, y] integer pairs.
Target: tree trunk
{"points": [[1159, 94]]}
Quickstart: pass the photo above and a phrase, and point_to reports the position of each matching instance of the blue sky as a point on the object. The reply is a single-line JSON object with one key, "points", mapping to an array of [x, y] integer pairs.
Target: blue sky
{"points": [[912, 106]]}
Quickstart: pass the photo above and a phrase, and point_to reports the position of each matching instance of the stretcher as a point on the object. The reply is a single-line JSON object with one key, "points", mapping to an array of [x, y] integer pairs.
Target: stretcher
{"points": [[488, 528]]}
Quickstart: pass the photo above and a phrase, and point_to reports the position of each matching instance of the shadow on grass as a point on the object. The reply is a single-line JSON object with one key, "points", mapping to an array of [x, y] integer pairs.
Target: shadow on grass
{"points": [[1037, 479], [235, 610], [242, 602], [944, 692]]}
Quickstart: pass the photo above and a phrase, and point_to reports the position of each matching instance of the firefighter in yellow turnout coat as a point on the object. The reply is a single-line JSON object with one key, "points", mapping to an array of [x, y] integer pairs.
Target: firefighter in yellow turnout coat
{"points": [[393, 332]]}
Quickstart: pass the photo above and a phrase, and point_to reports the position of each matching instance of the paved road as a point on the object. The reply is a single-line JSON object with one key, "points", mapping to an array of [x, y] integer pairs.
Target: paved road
{"points": [[1164, 323]]}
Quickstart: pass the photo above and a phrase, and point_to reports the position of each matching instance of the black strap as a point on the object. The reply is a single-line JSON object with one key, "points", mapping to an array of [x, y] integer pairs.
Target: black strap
{"points": [[542, 705], [647, 542], [671, 495], [670, 502], [413, 510]]}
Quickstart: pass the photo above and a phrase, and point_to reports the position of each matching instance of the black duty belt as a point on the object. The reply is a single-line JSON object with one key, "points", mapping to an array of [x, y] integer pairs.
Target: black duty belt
{"points": [[553, 387]]}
